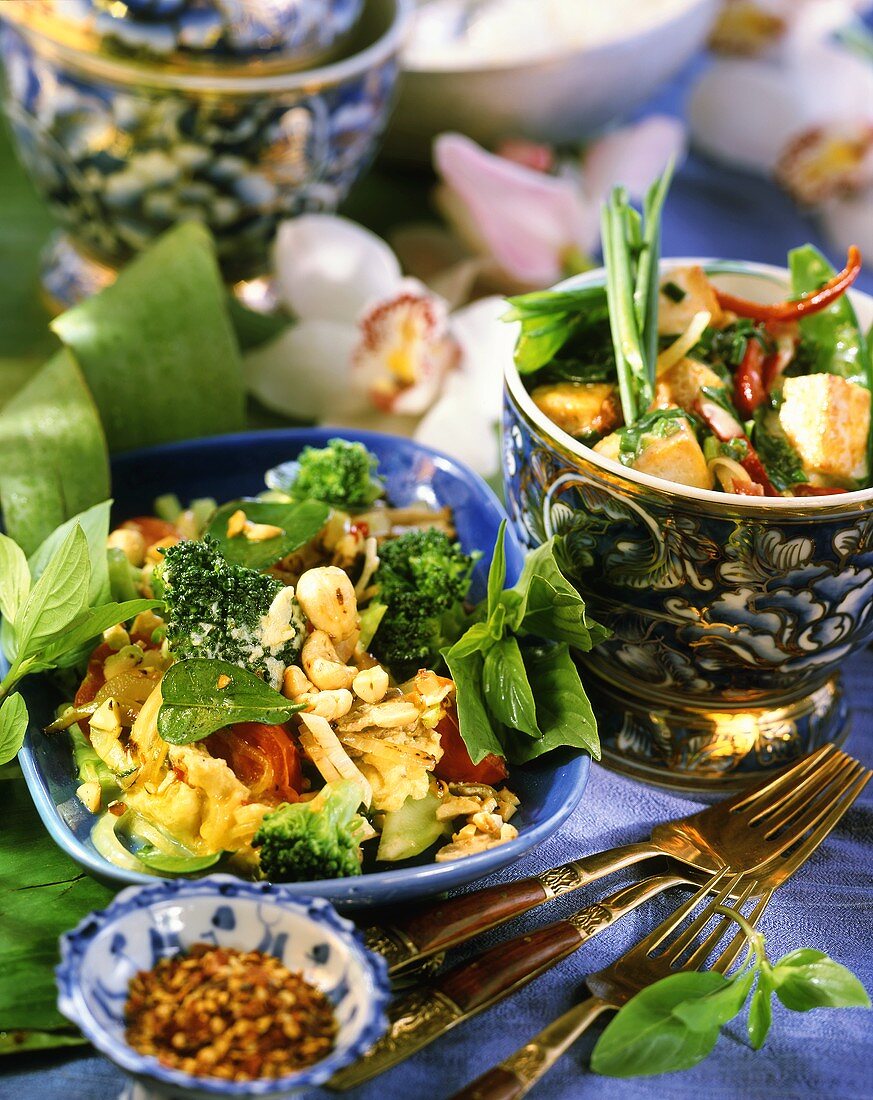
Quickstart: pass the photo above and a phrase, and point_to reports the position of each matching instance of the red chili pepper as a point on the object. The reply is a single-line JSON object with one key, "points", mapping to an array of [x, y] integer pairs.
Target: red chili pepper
{"points": [[754, 467], [794, 309], [749, 392], [816, 491]]}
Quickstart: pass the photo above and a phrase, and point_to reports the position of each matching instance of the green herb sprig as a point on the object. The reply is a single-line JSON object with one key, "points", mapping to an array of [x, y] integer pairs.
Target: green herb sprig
{"points": [[53, 606], [676, 1022], [517, 696]]}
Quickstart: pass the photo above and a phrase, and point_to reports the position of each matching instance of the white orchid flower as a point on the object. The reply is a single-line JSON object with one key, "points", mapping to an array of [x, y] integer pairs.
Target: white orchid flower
{"points": [[533, 224], [373, 349], [803, 114]]}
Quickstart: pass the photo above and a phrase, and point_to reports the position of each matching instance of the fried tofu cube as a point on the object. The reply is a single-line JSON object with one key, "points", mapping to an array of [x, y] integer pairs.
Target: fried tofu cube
{"points": [[580, 408], [826, 420], [699, 294], [677, 457], [681, 384]]}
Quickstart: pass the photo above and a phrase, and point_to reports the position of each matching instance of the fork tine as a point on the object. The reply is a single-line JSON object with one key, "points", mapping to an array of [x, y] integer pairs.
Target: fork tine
{"points": [[690, 931], [809, 786], [784, 781], [826, 826], [702, 952], [671, 923], [801, 819], [728, 957]]}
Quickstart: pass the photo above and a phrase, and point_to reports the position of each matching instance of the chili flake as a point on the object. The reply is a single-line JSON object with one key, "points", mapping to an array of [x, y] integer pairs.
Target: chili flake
{"points": [[237, 1015]]}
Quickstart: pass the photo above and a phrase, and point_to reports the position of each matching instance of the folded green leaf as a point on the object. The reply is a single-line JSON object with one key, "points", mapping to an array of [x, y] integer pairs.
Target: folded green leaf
{"points": [[507, 692], [647, 1037], [60, 594], [760, 1011], [718, 1007], [564, 714], [202, 695], [300, 522], [157, 347], [14, 578], [545, 604], [474, 722], [19, 1041], [476, 639], [95, 523], [53, 460], [497, 571], [13, 727], [808, 979]]}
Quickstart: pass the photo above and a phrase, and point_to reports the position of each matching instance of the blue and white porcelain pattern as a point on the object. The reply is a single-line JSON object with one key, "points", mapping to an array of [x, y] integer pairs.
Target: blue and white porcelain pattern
{"points": [[120, 160], [145, 924], [730, 618]]}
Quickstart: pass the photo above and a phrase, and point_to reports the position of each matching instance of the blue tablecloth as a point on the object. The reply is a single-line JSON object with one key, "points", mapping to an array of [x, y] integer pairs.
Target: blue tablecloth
{"points": [[829, 904]]}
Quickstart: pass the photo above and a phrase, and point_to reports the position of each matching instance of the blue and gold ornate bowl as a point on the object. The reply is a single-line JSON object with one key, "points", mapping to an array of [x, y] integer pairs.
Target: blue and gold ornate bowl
{"points": [[123, 148], [145, 924], [730, 616]]}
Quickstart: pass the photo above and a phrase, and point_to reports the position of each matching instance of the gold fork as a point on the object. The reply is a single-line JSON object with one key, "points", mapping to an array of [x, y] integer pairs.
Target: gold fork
{"points": [[743, 832], [614, 986], [419, 1017]]}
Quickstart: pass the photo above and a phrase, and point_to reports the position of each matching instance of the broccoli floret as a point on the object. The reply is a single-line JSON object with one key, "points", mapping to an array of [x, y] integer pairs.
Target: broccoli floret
{"points": [[227, 611], [311, 841], [341, 474], [423, 578]]}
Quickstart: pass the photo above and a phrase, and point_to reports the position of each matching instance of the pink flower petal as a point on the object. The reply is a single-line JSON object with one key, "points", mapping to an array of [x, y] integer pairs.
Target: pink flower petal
{"points": [[527, 220], [633, 156]]}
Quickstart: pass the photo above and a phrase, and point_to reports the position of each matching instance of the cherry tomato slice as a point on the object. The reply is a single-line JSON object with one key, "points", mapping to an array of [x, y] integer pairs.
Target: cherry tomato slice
{"points": [[264, 757], [152, 528], [455, 765]]}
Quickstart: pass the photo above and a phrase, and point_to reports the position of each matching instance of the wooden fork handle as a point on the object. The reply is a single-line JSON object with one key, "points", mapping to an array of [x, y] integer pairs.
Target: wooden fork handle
{"points": [[516, 1075], [426, 1013], [429, 929]]}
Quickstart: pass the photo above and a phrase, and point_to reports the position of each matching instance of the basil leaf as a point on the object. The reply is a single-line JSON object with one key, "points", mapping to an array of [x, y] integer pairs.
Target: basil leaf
{"points": [[14, 578], [475, 639], [195, 706], [60, 594], [157, 860], [67, 650], [53, 459], [497, 571], [564, 714], [760, 1011], [474, 722], [299, 522], [718, 1007], [808, 979], [157, 347], [95, 523], [546, 604], [507, 692], [13, 727], [647, 1037]]}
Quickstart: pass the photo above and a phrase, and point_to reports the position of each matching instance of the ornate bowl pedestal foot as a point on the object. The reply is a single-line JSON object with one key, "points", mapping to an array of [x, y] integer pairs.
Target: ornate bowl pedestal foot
{"points": [[666, 740]]}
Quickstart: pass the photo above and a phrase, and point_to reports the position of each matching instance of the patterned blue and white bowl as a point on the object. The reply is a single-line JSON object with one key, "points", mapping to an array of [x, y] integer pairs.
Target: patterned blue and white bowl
{"points": [[121, 150], [144, 924], [731, 616]]}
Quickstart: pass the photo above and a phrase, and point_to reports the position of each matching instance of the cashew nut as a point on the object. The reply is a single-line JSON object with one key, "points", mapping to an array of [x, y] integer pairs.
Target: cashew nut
{"points": [[371, 684], [328, 704], [321, 664], [295, 682], [328, 600]]}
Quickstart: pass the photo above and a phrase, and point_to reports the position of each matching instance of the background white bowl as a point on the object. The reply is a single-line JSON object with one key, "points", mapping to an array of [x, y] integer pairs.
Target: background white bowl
{"points": [[560, 98]]}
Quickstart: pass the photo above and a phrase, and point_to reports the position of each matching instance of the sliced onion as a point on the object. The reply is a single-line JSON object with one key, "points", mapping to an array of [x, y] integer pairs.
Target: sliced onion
{"points": [[689, 339]]}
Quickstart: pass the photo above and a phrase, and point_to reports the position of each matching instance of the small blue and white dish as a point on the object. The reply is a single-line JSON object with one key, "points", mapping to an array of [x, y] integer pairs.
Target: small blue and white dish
{"points": [[145, 924]]}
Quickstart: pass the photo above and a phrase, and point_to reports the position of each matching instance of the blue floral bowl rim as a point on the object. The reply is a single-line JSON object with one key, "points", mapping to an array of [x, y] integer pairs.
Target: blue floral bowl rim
{"points": [[386, 45], [74, 946], [824, 505]]}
